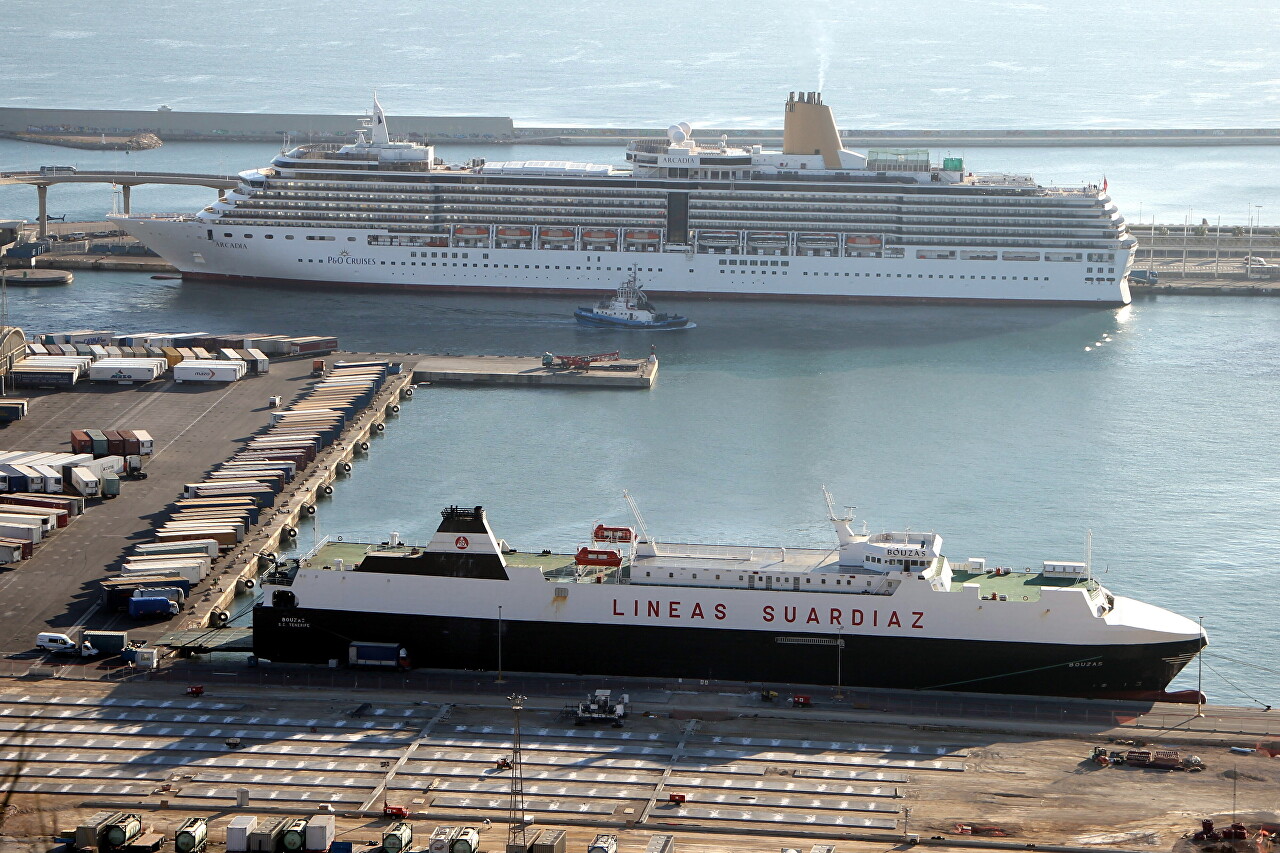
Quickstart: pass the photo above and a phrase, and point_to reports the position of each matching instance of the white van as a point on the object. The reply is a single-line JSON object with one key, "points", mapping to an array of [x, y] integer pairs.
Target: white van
{"points": [[52, 642]]}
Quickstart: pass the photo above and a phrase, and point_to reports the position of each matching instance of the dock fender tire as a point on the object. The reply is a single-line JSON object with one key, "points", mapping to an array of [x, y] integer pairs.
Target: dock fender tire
{"points": [[309, 509], [269, 556], [290, 532], [408, 392], [379, 427], [249, 583], [395, 408], [220, 617], [345, 467], [327, 490], [364, 446]]}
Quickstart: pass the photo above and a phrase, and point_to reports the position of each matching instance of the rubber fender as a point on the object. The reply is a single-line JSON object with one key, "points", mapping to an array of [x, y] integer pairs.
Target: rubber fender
{"points": [[327, 490], [309, 509], [290, 532]]}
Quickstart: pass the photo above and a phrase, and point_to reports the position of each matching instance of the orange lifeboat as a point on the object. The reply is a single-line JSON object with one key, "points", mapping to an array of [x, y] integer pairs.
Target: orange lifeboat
{"points": [[598, 557], [616, 535], [642, 236], [470, 231], [557, 234], [861, 240], [515, 232], [600, 234]]}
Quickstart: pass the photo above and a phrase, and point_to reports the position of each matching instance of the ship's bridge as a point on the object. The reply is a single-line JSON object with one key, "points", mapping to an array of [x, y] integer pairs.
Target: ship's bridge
{"points": [[892, 552]]}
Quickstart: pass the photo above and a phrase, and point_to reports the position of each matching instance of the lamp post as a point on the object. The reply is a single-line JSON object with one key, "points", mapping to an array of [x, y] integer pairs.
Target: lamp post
{"points": [[500, 644], [1200, 674]]}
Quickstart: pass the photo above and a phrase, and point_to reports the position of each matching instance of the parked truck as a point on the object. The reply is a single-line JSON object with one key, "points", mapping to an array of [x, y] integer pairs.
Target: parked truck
{"points": [[152, 607]]}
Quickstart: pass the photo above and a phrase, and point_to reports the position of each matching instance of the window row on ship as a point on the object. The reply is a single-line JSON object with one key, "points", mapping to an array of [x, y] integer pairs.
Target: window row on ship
{"points": [[758, 183]]}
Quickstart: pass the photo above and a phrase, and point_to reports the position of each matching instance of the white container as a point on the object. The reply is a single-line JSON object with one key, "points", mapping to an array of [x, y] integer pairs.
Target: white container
{"points": [[25, 530], [199, 370], [207, 547], [84, 482], [321, 831], [238, 833]]}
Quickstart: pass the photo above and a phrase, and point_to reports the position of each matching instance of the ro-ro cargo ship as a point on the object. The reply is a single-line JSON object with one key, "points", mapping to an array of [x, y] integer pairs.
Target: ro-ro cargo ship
{"points": [[876, 610], [700, 217]]}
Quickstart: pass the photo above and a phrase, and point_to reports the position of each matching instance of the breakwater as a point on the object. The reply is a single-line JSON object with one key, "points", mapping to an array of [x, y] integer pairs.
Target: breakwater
{"points": [[176, 125]]}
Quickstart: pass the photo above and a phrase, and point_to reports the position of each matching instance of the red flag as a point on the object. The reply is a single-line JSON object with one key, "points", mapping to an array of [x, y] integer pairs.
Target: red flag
{"points": [[1104, 183]]}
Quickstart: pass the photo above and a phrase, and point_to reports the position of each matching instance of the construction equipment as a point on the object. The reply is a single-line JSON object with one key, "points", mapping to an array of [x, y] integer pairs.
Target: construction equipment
{"points": [[389, 810], [600, 707], [577, 362], [1100, 756]]}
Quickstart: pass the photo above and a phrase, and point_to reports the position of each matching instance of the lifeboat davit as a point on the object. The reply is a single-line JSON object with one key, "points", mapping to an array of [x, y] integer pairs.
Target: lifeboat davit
{"points": [[616, 535], [768, 239], [717, 238], [598, 557]]}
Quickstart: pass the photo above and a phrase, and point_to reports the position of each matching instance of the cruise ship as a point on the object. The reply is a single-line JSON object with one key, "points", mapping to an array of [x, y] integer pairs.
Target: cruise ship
{"points": [[694, 217], [875, 610]]}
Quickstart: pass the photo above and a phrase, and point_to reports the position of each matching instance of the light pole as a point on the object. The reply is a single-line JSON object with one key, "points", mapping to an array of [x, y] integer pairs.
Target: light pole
{"points": [[500, 644], [1248, 253], [839, 667], [1200, 674]]}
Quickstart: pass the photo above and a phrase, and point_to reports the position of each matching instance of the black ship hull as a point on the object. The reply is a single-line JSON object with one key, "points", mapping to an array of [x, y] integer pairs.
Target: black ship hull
{"points": [[297, 635]]}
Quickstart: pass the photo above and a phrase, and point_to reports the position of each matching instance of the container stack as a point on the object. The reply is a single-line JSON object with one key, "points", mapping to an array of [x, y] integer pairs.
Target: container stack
{"points": [[126, 371], [50, 371], [26, 518], [78, 474]]}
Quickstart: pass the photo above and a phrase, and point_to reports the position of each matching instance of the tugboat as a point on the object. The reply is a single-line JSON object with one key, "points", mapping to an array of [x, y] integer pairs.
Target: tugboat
{"points": [[629, 308]]}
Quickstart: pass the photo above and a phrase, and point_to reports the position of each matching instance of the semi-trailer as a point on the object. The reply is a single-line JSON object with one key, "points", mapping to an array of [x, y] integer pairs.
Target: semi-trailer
{"points": [[152, 607]]}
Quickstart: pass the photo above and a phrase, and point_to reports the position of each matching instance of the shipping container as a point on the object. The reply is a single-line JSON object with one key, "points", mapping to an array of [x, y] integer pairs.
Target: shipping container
{"points": [[43, 377], [226, 538], [101, 447], [603, 844], [398, 838], [266, 838], [238, 832], [44, 522], [548, 841], [110, 485], [665, 844], [107, 642], [13, 550], [192, 836], [82, 482], [12, 410], [52, 480], [208, 548], [146, 444], [90, 834], [208, 370], [468, 841], [321, 830]]}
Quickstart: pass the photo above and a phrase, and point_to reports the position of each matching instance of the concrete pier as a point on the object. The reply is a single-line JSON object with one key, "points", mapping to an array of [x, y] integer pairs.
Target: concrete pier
{"points": [[514, 370]]}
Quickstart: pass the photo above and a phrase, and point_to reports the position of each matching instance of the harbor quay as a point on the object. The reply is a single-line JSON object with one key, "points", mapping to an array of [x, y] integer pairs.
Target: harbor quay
{"points": [[195, 427], [717, 767]]}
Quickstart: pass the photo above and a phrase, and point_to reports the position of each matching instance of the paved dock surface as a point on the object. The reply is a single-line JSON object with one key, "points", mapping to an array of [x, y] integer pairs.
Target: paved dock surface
{"points": [[195, 427], [753, 778], [515, 370]]}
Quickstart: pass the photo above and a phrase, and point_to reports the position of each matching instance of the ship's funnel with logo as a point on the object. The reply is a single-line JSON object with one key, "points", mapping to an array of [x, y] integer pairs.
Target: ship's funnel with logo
{"points": [[809, 128]]}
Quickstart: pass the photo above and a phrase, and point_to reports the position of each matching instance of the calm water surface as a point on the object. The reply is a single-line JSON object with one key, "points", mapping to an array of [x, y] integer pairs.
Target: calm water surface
{"points": [[1011, 431]]}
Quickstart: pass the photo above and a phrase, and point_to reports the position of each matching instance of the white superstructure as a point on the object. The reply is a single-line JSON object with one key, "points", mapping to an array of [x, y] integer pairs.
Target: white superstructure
{"points": [[694, 217]]}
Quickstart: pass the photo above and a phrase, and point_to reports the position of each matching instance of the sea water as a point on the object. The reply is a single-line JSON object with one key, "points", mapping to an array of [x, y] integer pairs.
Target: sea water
{"points": [[1012, 431]]}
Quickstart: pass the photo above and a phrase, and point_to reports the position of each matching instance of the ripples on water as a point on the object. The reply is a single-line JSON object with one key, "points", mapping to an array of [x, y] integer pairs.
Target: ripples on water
{"points": [[993, 426]]}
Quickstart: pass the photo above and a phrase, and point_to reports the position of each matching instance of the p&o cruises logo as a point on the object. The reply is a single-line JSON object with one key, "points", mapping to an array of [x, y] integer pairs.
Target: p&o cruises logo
{"points": [[344, 257]]}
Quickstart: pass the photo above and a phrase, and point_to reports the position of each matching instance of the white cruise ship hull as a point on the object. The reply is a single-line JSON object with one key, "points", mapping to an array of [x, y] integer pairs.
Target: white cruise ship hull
{"points": [[344, 257]]}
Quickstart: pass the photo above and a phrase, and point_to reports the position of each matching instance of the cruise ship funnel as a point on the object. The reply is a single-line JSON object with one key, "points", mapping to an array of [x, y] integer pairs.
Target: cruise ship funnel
{"points": [[808, 127]]}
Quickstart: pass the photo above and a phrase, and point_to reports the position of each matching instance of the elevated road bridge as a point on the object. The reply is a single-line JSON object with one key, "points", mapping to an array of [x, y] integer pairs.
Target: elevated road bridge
{"points": [[42, 180]]}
